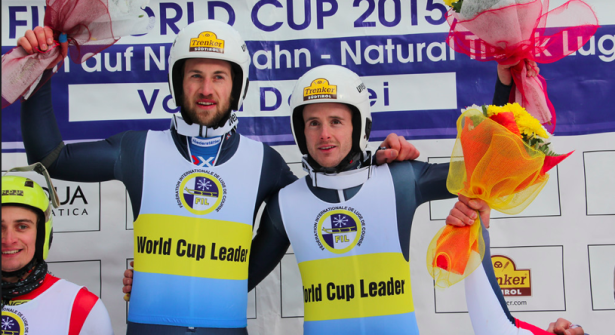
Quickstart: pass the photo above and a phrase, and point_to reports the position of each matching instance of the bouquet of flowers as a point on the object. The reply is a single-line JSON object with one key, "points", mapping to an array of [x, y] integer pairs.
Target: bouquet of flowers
{"points": [[90, 25], [501, 156], [510, 31]]}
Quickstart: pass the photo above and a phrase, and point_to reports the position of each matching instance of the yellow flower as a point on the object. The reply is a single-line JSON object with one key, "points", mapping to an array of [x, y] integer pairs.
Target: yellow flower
{"points": [[494, 110], [528, 125], [450, 2]]}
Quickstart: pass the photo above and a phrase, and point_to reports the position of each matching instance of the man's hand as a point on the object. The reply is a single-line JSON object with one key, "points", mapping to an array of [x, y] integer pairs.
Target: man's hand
{"points": [[128, 281], [564, 327], [506, 77], [41, 40], [464, 212], [398, 149]]}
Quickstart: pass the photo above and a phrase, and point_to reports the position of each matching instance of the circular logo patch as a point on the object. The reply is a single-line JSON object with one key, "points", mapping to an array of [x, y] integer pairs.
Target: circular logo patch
{"points": [[339, 230], [12, 324], [201, 193]]}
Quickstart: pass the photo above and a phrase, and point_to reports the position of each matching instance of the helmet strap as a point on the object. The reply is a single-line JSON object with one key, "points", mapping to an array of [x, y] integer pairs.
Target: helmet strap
{"points": [[355, 173], [191, 130]]}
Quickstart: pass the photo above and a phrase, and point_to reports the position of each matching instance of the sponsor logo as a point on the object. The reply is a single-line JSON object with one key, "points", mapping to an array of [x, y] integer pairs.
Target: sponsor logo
{"points": [[232, 119], [206, 142], [320, 89], [361, 88], [12, 192], [339, 229], [201, 192], [207, 41], [13, 322], [512, 281], [73, 201]]}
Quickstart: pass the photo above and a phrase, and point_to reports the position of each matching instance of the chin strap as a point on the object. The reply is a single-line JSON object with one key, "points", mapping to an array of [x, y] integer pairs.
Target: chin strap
{"points": [[339, 180], [194, 129]]}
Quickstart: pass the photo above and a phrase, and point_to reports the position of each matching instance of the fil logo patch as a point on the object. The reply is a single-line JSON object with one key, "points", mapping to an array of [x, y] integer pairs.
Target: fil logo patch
{"points": [[207, 41], [513, 282], [320, 89], [13, 322], [339, 230], [200, 192]]}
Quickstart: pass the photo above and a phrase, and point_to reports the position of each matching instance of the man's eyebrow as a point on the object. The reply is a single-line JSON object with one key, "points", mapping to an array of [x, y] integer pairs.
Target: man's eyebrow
{"points": [[24, 220], [215, 72]]}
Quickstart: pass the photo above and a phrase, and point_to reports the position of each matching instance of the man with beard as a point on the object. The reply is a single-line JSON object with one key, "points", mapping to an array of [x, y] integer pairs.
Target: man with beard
{"points": [[195, 189]]}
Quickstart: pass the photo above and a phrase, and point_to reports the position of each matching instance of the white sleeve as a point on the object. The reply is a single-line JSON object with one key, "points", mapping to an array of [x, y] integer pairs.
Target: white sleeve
{"points": [[98, 321], [485, 310]]}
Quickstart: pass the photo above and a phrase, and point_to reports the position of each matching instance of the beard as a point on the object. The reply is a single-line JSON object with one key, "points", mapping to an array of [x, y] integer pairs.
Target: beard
{"points": [[211, 119]]}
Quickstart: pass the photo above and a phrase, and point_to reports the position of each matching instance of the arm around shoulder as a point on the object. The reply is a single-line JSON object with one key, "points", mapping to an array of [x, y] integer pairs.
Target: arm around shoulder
{"points": [[275, 170], [269, 245]]}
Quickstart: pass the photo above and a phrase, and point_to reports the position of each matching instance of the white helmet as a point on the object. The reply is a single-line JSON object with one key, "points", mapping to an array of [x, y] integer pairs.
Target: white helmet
{"points": [[213, 40], [332, 83]]}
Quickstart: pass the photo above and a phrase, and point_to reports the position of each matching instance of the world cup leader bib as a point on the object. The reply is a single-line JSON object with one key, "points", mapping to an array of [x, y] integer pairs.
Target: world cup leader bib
{"points": [[192, 237], [355, 277]]}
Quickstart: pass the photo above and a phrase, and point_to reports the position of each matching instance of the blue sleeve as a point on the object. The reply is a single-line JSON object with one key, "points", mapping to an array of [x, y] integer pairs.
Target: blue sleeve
{"points": [[501, 94], [431, 181], [269, 245], [118, 157], [415, 183], [275, 174], [270, 242]]}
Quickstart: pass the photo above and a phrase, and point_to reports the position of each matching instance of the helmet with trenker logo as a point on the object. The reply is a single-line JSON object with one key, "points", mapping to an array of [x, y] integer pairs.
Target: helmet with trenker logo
{"points": [[209, 39], [336, 84]]}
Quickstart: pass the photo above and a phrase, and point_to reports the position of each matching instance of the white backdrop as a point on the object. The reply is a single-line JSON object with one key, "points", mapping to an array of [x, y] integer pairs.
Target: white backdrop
{"points": [[564, 242]]}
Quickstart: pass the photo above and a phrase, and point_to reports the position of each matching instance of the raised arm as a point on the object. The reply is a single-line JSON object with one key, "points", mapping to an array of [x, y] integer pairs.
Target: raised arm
{"points": [[504, 84], [118, 157], [88, 162]]}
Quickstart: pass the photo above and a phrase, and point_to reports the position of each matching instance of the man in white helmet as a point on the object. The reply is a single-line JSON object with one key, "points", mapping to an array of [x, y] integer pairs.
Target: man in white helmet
{"points": [[351, 232], [195, 189], [33, 300]]}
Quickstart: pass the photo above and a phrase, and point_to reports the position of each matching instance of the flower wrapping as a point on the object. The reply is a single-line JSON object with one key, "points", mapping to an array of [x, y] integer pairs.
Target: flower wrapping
{"points": [[454, 253], [494, 160], [509, 31], [90, 25]]}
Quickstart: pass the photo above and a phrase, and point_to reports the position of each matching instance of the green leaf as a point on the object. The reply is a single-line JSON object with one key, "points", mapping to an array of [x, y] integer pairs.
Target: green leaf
{"points": [[456, 6]]}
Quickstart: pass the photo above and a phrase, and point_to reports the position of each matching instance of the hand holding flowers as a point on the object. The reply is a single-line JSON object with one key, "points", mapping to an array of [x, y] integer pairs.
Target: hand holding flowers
{"points": [[509, 31], [88, 26], [501, 156]]}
